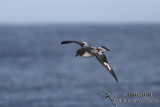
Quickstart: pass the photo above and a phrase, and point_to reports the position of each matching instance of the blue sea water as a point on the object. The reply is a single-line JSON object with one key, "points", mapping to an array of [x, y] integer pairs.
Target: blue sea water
{"points": [[37, 71]]}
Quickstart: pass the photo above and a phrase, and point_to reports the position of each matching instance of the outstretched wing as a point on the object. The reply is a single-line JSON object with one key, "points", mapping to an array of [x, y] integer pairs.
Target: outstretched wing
{"points": [[81, 43], [103, 49], [102, 59]]}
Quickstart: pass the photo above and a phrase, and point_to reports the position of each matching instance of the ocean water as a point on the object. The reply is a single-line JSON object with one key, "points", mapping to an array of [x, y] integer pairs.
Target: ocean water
{"points": [[37, 71]]}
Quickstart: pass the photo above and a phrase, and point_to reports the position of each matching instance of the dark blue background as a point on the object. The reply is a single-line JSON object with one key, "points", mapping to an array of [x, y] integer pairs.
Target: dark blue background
{"points": [[37, 71]]}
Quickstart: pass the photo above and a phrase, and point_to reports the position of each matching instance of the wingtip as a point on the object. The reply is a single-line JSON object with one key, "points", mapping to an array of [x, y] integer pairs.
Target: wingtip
{"points": [[105, 48], [66, 42], [62, 42], [115, 77], [117, 80]]}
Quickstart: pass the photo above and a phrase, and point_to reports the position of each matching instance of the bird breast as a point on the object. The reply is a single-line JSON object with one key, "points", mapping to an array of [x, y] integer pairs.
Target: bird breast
{"points": [[86, 54]]}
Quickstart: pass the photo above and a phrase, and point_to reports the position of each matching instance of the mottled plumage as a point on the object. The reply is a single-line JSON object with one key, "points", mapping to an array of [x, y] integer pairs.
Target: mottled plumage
{"points": [[88, 51]]}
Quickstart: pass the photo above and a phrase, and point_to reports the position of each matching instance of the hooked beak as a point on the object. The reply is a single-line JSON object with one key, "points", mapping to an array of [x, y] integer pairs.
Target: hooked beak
{"points": [[76, 55]]}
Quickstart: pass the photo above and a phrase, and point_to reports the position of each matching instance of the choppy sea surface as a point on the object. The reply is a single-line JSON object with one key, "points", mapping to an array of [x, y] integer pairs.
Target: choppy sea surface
{"points": [[37, 71]]}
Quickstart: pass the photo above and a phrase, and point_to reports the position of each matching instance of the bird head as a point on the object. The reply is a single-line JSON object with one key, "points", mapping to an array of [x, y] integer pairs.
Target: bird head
{"points": [[77, 54], [80, 52]]}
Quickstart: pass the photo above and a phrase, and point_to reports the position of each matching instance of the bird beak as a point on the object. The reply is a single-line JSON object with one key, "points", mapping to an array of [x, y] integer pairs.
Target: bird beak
{"points": [[76, 55]]}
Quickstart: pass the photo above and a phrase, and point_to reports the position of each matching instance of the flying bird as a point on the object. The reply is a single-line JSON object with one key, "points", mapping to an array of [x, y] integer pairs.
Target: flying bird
{"points": [[87, 50]]}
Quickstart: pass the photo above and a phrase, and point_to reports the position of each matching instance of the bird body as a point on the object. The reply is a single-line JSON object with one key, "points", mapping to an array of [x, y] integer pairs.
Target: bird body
{"points": [[87, 54], [87, 50]]}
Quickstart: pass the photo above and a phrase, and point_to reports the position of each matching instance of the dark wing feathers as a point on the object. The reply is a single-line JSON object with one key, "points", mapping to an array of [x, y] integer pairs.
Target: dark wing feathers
{"points": [[102, 59], [100, 56], [65, 42], [105, 48], [82, 44]]}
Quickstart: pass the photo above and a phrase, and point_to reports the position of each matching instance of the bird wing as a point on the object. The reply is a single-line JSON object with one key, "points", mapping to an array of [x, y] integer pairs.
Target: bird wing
{"points": [[103, 49], [81, 43], [102, 59]]}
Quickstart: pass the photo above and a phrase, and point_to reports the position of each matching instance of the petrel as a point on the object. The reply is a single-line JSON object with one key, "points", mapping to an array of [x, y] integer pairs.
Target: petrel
{"points": [[87, 50]]}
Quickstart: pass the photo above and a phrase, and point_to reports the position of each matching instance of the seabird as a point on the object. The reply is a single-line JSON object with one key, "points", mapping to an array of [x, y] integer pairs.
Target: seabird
{"points": [[88, 51]]}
